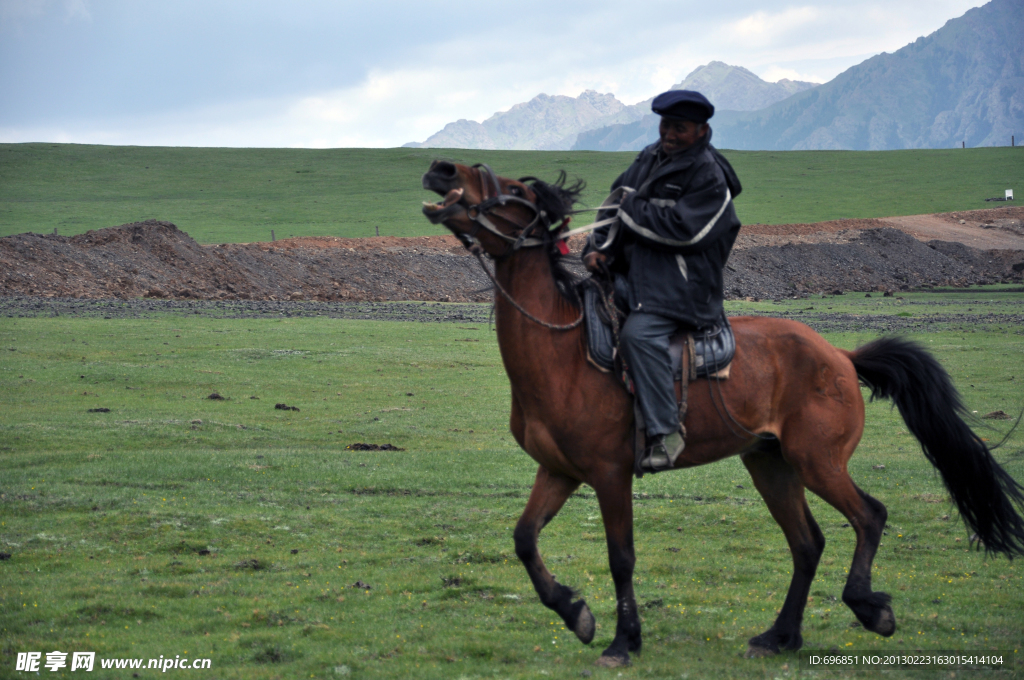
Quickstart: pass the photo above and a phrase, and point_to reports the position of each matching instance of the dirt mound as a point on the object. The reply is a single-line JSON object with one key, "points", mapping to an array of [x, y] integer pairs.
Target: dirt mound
{"points": [[883, 259], [157, 260], [443, 243], [812, 228]]}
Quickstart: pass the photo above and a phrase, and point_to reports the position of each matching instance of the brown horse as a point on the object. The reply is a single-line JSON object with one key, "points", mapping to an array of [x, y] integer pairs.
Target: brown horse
{"points": [[795, 398]]}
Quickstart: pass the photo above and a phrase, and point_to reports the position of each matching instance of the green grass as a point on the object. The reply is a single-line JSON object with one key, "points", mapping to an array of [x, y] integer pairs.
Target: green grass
{"points": [[109, 516], [240, 195]]}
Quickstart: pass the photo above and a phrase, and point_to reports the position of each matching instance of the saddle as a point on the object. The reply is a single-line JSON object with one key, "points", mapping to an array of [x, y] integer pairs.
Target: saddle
{"points": [[704, 353], [709, 350]]}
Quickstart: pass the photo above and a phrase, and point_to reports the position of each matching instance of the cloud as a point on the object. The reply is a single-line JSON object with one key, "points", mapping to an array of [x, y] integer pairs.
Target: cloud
{"points": [[388, 108], [412, 102], [76, 9], [816, 42], [320, 73], [766, 29], [18, 12], [774, 74]]}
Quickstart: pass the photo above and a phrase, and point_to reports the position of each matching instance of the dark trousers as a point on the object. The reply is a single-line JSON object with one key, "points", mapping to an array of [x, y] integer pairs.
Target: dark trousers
{"points": [[644, 342]]}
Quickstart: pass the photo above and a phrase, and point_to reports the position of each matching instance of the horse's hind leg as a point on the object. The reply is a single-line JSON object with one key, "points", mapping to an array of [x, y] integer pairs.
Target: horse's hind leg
{"points": [[547, 497], [867, 517], [783, 493]]}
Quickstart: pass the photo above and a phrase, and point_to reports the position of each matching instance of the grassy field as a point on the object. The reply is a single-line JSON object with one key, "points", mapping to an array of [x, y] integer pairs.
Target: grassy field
{"points": [[175, 524], [240, 195]]}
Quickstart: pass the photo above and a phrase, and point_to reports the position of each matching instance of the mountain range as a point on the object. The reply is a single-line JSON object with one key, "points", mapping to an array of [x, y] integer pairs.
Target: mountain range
{"points": [[544, 122], [554, 122], [963, 84]]}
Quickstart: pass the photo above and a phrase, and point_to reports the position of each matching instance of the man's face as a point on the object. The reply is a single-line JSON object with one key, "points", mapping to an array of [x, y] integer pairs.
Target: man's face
{"points": [[680, 135]]}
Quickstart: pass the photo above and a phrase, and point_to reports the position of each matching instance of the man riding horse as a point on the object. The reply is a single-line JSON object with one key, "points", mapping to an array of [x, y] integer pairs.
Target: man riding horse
{"points": [[676, 228], [791, 410]]}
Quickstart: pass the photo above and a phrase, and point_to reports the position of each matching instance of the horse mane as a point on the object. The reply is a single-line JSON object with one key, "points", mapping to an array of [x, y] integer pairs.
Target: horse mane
{"points": [[557, 200]]}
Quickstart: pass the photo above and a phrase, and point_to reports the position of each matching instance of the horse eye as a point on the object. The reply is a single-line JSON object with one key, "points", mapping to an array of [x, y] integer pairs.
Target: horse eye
{"points": [[515, 191]]}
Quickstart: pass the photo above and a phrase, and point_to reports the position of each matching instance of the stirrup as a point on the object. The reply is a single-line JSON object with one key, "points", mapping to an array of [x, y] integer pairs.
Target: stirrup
{"points": [[658, 457]]}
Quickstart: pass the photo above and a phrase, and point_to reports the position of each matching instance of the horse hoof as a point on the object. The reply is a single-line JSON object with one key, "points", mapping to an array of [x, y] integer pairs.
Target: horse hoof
{"points": [[764, 645], [886, 624], [757, 652], [584, 626], [794, 643], [612, 661]]}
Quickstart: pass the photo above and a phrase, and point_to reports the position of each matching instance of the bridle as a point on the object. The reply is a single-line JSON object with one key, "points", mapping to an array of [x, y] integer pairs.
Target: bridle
{"points": [[478, 214]]}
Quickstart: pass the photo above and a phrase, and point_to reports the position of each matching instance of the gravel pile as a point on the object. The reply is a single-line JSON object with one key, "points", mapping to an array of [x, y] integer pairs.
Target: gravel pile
{"points": [[883, 259], [157, 261]]}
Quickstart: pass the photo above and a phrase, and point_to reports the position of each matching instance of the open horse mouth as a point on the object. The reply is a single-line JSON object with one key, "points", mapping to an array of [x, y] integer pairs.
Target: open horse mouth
{"points": [[438, 212], [442, 178]]}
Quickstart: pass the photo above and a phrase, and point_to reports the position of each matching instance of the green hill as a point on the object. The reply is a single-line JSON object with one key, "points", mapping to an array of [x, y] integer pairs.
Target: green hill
{"points": [[240, 195]]}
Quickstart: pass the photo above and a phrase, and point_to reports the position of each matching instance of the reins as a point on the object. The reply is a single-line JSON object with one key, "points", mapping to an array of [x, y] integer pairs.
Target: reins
{"points": [[478, 252], [478, 214]]}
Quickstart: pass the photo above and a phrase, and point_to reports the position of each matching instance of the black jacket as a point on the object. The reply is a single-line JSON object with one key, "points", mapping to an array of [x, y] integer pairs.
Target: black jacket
{"points": [[675, 233]]}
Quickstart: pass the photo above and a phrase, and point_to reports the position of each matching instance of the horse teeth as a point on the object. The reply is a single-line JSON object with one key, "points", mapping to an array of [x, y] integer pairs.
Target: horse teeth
{"points": [[452, 197]]}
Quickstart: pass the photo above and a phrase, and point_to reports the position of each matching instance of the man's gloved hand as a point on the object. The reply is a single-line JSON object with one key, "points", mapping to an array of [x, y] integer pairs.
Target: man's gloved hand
{"points": [[595, 262]]}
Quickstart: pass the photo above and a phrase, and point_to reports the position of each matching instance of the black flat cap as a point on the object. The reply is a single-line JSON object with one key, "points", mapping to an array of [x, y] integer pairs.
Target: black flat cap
{"points": [[683, 105]]}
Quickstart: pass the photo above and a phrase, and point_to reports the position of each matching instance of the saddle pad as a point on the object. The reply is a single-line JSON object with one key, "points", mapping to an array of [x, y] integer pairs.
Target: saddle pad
{"points": [[713, 348], [600, 340]]}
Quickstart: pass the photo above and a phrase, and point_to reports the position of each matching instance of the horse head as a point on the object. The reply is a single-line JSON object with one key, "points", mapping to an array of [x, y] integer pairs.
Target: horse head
{"points": [[498, 213]]}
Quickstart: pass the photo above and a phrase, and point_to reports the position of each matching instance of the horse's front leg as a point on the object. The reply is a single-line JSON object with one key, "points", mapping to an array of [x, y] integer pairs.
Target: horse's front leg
{"points": [[615, 496], [549, 494]]}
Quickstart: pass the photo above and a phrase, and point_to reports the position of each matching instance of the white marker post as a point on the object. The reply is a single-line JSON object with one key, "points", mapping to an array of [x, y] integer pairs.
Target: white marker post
{"points": [[1009, 194]]}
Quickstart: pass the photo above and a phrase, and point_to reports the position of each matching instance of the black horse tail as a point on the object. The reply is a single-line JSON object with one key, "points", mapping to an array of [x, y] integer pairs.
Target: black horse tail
{"points": [[986, 495]]}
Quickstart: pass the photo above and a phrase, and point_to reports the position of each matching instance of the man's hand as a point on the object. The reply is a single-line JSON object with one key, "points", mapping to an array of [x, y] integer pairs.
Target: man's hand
{"points": [[595, 262]]}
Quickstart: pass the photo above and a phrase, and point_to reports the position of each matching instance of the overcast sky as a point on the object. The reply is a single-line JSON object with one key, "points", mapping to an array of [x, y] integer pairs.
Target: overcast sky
{"points": [[313, 73]]}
